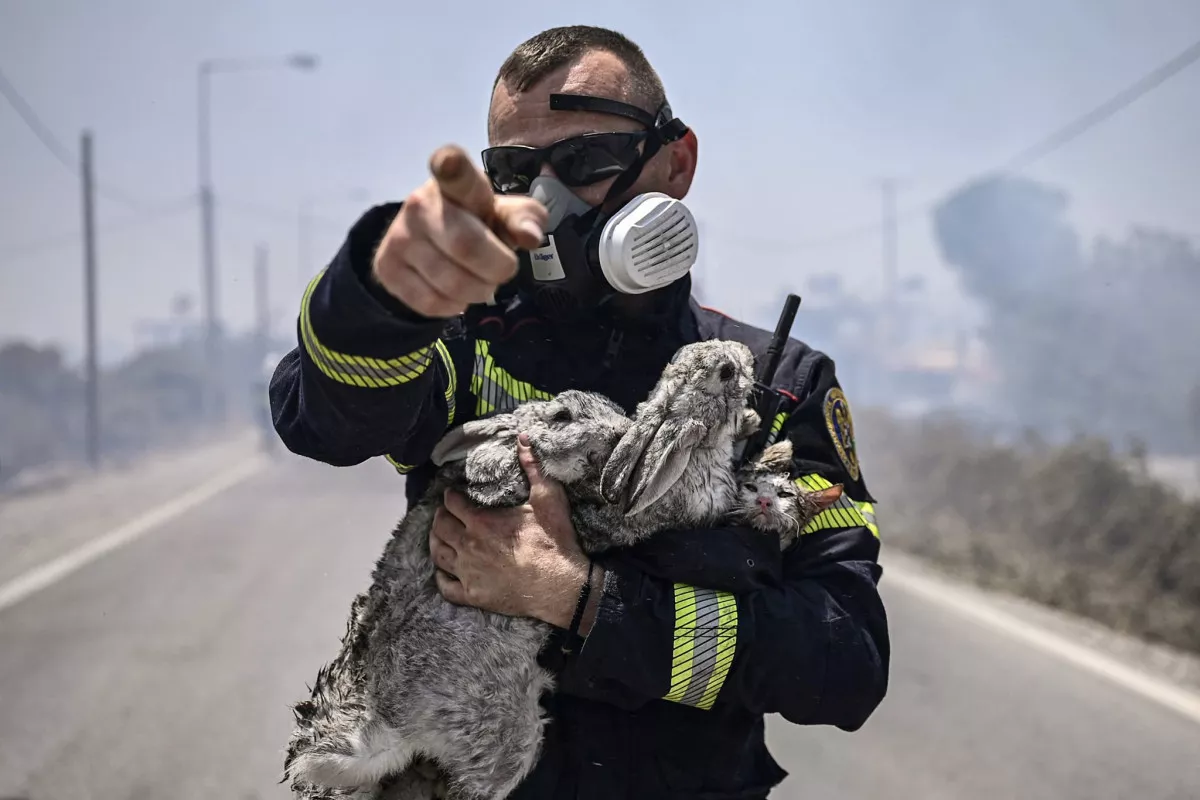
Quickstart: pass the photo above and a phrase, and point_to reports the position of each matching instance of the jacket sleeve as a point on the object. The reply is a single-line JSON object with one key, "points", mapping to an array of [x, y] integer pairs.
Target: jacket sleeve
{"points": [[811, 645], [369, 376]]}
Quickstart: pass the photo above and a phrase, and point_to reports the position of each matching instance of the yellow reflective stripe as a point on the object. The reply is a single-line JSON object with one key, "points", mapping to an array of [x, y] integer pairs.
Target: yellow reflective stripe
{"points": [[836, 518], [401, 468], [705, 641], [362, 371], [814, 482], [845, 513], [452, 380], [495, 389], [868, 512], [681, 654], [776, 427]]}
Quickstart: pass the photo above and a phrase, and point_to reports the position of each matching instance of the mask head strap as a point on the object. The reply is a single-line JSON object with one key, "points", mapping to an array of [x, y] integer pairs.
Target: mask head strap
{"points": [[664, 128]]}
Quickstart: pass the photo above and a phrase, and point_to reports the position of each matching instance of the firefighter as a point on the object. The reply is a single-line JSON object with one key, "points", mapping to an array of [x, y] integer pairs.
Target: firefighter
{"points": [[487, 288]]}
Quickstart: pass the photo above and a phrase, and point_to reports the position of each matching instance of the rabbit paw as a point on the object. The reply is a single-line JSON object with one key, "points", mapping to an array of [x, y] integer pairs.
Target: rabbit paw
{"points": [[750, 424]]}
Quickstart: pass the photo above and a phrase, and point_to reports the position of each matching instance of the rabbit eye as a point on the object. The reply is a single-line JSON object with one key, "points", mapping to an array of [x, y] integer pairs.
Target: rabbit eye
{"points": [[751, 487], [726, 372], [562, 415]]}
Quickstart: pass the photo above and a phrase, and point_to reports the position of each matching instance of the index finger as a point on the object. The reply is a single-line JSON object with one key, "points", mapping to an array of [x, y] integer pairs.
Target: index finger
{"points": [[461, 183]]}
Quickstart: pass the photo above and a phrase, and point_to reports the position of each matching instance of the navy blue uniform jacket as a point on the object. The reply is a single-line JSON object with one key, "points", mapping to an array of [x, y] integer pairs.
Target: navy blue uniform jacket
{"points": [[700, 633]]}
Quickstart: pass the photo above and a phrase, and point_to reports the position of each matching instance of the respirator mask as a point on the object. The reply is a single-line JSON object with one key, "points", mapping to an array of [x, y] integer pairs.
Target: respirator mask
{"points": [[590, 255]]}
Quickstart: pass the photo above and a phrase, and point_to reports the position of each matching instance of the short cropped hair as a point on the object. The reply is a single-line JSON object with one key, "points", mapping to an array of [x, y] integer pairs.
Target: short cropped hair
{"points": [[538, 56]]}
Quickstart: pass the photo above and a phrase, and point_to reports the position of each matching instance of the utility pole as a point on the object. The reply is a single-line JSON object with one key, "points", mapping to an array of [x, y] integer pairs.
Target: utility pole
{"points": [[212, 399], [887, 330], [89, 301], [262, 303], [888, 189], [213, 387]]}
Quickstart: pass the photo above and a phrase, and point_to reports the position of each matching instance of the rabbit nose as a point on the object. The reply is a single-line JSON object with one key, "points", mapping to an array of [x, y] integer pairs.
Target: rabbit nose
{"points": [[726, 372], [764, 503]]}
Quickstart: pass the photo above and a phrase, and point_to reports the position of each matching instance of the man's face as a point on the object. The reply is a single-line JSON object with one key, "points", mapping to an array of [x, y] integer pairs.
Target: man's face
{"points": [[526, 119]]}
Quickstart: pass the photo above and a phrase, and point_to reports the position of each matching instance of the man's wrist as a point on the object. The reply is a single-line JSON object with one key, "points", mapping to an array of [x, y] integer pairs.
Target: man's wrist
{"points": [[558, 602], [593, 602]]}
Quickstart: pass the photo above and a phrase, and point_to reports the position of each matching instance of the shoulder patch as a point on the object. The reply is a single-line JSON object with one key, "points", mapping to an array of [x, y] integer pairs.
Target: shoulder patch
{"points": [[841, 429]]}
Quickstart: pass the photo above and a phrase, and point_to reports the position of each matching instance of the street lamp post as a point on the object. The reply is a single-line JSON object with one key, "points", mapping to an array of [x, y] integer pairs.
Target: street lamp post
{"points": [[213, 395]]}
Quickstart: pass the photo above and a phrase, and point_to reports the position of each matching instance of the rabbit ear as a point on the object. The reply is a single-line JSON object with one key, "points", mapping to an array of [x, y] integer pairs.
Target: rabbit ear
{"points": [[648, 461], [618, 470], [460, 441]]}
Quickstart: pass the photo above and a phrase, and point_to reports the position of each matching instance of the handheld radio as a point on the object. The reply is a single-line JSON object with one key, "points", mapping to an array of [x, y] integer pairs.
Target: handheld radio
{"points": [[766, 401]]}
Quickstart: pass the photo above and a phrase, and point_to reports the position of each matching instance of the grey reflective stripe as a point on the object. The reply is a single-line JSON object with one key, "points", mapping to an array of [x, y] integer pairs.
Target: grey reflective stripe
{"points": [[358, 370], [495, 389], [491, 393], [363, 371], [846, 502], [704, 645]]}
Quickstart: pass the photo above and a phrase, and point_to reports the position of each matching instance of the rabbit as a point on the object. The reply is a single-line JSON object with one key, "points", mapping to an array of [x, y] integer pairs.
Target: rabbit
{"points": [[460, 687], [769, 500], [675, 466], [571, 436]]}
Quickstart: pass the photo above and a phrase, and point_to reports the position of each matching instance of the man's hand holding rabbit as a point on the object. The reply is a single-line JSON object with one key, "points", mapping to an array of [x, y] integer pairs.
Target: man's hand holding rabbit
{"points": [[524, 561]]}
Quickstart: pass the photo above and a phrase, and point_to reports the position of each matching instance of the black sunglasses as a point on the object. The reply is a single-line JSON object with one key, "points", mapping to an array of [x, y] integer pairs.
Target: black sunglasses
{"points": [[577, 161]]}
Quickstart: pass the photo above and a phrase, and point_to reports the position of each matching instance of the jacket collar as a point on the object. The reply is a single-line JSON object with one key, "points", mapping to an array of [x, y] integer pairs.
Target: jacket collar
{"points": [[670, 320]]}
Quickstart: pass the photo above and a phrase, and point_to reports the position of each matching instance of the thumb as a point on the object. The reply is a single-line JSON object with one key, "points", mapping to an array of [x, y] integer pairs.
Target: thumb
{"points": [[529, 462], [541, 487], [520, 222]]}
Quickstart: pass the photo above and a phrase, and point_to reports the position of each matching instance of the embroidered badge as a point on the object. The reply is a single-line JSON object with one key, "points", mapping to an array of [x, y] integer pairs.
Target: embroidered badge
{"points": [[841, 429]]}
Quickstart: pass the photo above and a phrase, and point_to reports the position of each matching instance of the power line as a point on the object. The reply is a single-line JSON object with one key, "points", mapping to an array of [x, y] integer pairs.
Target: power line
{"points": [[56, 148], [1105, 110], [1029, 155], [166, 210], [73, 238], [282, 216]]}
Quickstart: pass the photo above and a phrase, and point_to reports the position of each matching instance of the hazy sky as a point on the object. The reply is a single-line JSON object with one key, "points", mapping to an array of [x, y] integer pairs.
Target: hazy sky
{"points": [[799, 107]]}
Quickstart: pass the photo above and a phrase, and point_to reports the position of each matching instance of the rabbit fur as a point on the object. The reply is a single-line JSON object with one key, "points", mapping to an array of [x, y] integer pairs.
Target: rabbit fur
{"points": [[422, 682]]}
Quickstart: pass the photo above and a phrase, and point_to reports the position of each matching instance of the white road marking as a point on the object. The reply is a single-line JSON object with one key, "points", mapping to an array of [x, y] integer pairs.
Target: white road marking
{"points": [[53, 571], [1150, 687], [939, 592]]}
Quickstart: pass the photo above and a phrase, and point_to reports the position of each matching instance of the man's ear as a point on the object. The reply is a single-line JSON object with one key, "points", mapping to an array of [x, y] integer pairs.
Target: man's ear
{"points": [[682, 157]]}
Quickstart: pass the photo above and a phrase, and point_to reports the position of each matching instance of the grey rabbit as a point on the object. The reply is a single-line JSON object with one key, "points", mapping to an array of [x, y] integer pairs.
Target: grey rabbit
{"points": [[426, 687], [572, 436]]}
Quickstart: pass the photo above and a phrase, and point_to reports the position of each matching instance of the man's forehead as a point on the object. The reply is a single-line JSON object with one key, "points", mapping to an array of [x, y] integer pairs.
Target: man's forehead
{"points": [[525, 117]]}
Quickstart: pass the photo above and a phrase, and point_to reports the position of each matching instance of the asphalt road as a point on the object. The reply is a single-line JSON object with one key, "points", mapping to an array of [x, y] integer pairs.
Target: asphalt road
{"points": [[164, 668]]}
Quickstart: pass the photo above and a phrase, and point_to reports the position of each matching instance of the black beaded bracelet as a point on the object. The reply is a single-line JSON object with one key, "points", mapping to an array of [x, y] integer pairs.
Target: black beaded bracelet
{"points": [[584, 594]]}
